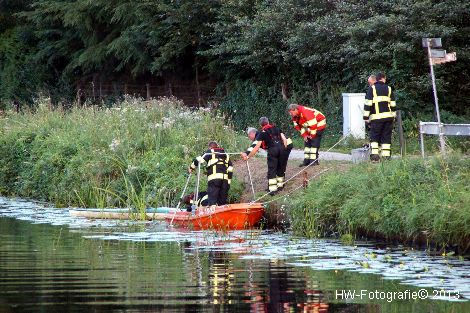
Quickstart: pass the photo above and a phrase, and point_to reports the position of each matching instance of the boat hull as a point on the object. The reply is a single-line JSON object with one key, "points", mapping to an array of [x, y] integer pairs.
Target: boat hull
{"points": [[228, 217], [122, 214]]}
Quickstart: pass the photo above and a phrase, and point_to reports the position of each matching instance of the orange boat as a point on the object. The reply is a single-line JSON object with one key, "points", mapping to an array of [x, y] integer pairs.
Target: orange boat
{"points": [[226, 217]]}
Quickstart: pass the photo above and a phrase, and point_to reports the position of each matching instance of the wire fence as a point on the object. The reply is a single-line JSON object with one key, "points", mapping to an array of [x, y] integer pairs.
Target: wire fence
{"points": [[191, 93]]}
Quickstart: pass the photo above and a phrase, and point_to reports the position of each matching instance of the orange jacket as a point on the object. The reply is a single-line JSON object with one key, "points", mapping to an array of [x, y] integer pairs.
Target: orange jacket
{"points": [[309, 121]]}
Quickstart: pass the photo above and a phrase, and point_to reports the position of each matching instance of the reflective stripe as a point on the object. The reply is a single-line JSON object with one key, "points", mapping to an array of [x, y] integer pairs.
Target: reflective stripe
{"points": [[374, 95], [374, 144], [310, 123], [280, 179], [249, 149], [386, 146], [368, 103], [307, 150], [321, 123], [366, 113], [229, 181], [375, 151], [382, 115], [217, 176], [302, 131], [212, 162], [313, 156], [386, 153], [200, 159], [381, 99], [393, 103], [289, 141], [272, 187], [313, 132], [313, 150]]}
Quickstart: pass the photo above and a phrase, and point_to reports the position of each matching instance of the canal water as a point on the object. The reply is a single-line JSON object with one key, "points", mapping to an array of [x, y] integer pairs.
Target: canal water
{"points": [[52, 262]]}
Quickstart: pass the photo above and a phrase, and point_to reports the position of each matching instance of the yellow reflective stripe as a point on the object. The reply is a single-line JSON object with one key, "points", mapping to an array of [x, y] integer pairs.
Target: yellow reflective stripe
{"points": [[302, 131], [307, 149], [389, 91], [386, 153], [200, 159], [229, 181], [313, 150], [394, 114], [313, 131], [310, 123], [374, 144], [249, 149], [312, 156], [368, 103], [280, 179], [321, 123], [366, 113], [374, 95], [289, 141], [381, 99], [382, 115], [217, 176], [386, 146], [393, 103], [375, 151], [230, 169], [212, 162]]}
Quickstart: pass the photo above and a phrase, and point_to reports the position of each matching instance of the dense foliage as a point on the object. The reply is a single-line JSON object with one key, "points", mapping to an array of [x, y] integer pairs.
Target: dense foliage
{"points": [[408, 199], [312, 50], [135, 154]]}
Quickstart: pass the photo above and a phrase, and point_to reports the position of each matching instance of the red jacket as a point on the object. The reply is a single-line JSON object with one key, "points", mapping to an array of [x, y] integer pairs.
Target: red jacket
{"points": [[309, 121]]}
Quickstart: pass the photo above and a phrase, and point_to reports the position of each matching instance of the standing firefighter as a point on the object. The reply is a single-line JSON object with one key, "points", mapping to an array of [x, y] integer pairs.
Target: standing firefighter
{"points": [[311, 124], [219, 173], [271, 139], [379, 112]]}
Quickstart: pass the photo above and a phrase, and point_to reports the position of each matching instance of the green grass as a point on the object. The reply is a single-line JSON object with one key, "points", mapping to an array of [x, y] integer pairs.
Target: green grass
{"points": [[406, 199], [134, 154]]}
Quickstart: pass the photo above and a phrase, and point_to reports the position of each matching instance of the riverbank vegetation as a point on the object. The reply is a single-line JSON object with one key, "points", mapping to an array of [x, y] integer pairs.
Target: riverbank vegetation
{"points": [[414, 200], [134, 154]]}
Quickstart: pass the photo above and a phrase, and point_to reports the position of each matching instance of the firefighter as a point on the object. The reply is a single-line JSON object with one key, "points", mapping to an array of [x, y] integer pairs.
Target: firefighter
{"points": [[271, 139], [191, 203], [219, 173], [311, 124], [379, 113]]}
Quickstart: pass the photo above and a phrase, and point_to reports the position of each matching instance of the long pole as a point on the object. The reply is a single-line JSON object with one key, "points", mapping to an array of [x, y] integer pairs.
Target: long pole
{"points": [[441, 133], [181, 198], [251, 181]]}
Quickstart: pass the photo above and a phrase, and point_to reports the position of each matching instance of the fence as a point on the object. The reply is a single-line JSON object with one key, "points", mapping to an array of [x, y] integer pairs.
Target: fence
{"points": [[192, 94]]}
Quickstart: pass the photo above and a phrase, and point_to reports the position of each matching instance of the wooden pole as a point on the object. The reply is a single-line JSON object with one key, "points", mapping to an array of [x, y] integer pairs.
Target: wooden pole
{"points": [[148, 91], [400, 133], [305, 180]]}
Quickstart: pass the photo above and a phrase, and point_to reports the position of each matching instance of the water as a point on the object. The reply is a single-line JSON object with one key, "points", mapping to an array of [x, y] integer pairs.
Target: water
{"points": [[52, 262]]}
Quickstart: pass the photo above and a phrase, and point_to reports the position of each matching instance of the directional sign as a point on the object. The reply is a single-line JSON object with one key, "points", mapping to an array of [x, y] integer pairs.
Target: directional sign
{"points": [[449, 57], [433, 42], [438, 53]]}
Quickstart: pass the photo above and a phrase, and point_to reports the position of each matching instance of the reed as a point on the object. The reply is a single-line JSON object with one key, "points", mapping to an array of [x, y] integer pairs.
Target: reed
{"points": [[411, 200]]}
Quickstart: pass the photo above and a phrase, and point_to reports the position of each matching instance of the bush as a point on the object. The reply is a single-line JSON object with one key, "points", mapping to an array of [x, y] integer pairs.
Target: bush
{"points": [[133, 154]]}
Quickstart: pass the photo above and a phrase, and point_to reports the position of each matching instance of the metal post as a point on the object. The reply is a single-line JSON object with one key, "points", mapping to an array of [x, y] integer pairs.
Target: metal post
{"points": [[421, 139], [251, 181], [441, 134]]}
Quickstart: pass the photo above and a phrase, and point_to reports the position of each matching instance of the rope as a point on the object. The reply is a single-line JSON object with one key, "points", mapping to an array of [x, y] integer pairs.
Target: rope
{"points": [[295, 175], [297, 188]]}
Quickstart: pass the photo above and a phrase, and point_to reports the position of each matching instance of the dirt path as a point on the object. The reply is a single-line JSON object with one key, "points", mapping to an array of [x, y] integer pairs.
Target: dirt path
{"points": [[258, 168]]}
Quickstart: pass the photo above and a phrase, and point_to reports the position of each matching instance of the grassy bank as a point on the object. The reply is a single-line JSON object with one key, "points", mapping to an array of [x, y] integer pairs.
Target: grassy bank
{"points": [[134, 154], [407, 200]]}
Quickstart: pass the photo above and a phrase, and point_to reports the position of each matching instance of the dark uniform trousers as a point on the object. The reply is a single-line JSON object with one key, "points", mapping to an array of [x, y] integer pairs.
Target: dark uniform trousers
{"points": [[381, 134], [276, 166], [217, 191], [312, 147], [283, 159]]}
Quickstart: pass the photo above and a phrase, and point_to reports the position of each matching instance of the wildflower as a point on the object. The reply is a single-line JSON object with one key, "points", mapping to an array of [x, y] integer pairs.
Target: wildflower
{"points": [[114, 144]]}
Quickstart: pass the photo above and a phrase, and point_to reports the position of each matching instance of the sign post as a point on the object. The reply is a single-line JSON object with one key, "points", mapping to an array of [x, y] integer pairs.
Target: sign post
{"points": [[437, 57]]}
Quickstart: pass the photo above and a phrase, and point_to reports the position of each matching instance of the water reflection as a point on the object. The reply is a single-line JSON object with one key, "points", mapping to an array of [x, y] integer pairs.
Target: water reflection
{"points": [[105, 266]]}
